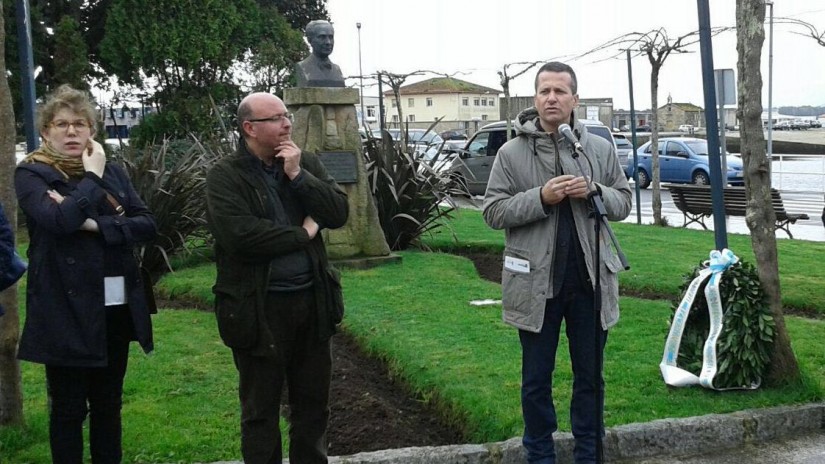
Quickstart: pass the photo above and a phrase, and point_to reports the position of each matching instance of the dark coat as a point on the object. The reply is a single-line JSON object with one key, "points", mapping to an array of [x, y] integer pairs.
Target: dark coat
{"points": [[65, 313], [11, 266], [246, 241]]}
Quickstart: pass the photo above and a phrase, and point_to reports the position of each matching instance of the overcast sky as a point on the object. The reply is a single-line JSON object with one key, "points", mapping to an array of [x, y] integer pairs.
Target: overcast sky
{"points": [[477, 37]]}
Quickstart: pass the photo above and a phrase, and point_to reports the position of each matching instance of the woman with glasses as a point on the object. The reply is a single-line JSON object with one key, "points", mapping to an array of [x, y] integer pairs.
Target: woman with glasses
{"points": [[84, 300]]}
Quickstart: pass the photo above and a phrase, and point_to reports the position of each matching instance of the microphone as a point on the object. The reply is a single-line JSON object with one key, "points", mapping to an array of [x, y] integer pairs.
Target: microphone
{"points": [[565, 130]]}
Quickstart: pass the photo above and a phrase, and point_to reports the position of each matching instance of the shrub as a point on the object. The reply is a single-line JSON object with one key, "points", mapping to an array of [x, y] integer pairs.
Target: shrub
{"points": [[413, 195], [744, 345], [171, 179]]}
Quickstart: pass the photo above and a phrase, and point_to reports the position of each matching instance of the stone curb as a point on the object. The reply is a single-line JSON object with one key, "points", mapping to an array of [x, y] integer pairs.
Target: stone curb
{"points": [[659, 438]]}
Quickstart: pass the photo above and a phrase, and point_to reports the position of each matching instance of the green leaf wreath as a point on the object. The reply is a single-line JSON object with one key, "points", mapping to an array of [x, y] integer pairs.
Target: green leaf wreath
{"points": [[744, 345]]}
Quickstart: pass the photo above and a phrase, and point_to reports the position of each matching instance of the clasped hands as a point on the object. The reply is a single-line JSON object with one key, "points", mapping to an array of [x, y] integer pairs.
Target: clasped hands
{"points": [[566, 185]]}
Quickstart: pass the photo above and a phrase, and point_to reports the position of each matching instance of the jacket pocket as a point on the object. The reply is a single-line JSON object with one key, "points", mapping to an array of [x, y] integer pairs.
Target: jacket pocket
{"points": [[335, 295], [517, 280], [237, 317]]}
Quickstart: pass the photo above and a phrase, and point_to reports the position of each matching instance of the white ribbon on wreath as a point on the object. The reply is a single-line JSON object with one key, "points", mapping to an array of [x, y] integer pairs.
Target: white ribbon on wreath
{"points": [[678, 377]]}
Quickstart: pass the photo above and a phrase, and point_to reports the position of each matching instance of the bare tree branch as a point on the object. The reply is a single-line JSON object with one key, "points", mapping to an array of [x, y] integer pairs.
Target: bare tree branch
{"points": [[810, 30], [657, 46]]}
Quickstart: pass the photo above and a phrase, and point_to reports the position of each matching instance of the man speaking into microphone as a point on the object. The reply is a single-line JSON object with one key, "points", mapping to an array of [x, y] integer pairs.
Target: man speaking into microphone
{"points": [[538, 195]]}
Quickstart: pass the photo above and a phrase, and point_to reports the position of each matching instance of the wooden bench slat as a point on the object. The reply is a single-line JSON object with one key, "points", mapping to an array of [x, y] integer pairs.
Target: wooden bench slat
{"points": [[696, 203]]}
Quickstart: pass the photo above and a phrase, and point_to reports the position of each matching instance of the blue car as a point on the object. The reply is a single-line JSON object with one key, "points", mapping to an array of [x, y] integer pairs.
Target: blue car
{"points": [[683, 161]]}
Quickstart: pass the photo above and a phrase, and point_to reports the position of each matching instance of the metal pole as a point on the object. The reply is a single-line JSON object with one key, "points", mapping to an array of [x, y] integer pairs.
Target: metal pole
{"points": [[361, 76], [716, 186], [633, 141], [770, 90], [24, 37], [720, 88]]}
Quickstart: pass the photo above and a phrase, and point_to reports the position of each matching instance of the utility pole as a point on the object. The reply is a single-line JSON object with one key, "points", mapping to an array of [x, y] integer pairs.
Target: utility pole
{"points": [[361, 75]]}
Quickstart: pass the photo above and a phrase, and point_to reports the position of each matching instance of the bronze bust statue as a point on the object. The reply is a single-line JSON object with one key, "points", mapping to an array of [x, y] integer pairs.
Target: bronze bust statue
{"points": [[317, 70]]}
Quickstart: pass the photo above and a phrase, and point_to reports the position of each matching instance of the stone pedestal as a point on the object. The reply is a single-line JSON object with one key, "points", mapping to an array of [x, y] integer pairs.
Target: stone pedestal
{"points": [[325, 122]]}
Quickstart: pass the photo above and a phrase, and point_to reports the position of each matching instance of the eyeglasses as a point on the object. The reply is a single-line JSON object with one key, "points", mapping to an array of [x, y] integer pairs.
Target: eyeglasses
{"points": [[79, 125], [276, 119]]}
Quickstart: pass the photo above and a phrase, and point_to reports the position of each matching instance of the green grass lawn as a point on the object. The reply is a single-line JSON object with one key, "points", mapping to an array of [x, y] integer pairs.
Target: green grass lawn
{"points": [[180, 403], [659, 257]]}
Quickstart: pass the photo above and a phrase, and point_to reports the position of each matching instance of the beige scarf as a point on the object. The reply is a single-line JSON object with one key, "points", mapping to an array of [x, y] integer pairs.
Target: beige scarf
{"points": [[66, 165]]}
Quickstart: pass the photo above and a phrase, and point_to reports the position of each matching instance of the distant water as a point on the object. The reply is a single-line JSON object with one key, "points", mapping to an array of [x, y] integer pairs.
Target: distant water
{"points": [[802, 173]]}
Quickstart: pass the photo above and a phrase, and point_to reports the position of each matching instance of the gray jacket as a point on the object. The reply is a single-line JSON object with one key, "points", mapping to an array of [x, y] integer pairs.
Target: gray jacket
{"points": [[513, 203]]}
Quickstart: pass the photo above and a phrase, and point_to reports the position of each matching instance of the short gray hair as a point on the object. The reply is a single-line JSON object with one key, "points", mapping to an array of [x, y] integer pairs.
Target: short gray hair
{"points": [[315, 24]]}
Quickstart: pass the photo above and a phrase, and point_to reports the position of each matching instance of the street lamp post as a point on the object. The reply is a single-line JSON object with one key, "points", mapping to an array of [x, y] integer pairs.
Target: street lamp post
{"points": [[361, 75], [770, 86]]}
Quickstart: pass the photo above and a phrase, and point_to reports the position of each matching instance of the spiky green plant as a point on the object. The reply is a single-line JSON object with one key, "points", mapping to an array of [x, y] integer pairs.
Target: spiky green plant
{"points": [[413, 193], [171, 180]]}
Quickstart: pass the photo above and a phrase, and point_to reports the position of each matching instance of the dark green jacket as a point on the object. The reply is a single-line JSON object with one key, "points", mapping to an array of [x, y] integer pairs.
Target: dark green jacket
{"points": [[246, 241]]}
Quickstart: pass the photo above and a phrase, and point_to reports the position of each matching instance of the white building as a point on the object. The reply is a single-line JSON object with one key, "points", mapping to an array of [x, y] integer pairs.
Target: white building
{"points": [[458, 102], [118, 122]]}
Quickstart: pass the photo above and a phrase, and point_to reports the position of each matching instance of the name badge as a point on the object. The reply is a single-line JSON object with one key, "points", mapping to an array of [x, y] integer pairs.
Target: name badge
{"points": [[521, 266]]}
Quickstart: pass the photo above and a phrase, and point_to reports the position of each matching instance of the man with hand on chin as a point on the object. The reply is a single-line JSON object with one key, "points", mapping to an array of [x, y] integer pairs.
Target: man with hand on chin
{"points": [[537, 193], [277, 300]]}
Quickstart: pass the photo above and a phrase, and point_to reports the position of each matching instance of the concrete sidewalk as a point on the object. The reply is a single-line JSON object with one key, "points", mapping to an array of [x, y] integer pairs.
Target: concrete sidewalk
{"points": [[792, 434]]}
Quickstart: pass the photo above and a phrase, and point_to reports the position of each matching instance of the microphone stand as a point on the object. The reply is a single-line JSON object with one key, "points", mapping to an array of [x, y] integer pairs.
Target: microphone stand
{"points": [[601, 220]]}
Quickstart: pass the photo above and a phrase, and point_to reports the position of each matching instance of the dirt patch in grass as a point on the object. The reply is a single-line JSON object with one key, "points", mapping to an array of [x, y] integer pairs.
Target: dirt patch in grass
{"points": [[370, 411]]}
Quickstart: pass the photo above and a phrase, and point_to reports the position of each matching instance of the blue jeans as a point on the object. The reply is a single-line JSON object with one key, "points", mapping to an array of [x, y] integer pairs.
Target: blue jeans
{"points": [[538, 363]]}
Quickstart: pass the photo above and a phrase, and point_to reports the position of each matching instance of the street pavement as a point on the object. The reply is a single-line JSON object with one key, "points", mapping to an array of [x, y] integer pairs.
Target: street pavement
{"points": [[807, 449]]}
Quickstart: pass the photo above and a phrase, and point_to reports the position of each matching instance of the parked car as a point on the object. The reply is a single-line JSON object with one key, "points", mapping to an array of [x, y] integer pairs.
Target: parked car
{"points": [[454, 134], [624, 150], [418, 140], [783, 125], [686, 128], [684, 161], [643, 128], [476, 159]]}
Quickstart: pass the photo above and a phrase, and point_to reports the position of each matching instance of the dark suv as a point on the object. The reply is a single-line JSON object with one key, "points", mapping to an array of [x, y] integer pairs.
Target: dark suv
{"points": [[476, 159]]}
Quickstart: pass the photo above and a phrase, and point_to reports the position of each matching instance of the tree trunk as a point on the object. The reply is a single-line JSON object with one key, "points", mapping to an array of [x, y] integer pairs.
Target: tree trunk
{"points": [[11, 393], [760, 218], [402, 133], [654, 144], [506, 87]]}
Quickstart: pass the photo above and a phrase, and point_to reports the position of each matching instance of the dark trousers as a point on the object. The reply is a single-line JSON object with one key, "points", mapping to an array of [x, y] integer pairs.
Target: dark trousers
{"points": [[75, 392], [304, 363], [538, 363]]}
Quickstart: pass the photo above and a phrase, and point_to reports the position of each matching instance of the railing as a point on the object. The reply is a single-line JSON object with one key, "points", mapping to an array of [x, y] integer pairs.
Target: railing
{"points": [[798, 173]]}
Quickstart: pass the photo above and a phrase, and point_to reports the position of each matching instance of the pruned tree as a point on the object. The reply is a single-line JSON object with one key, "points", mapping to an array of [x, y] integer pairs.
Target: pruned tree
{"points": [[395, 81], [809, 29], [760, 217], [505, 78], [11, 392], [657, 46]]}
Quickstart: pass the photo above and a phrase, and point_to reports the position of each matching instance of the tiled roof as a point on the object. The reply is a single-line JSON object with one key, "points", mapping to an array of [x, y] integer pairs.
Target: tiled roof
{"points": [[438, 85]]}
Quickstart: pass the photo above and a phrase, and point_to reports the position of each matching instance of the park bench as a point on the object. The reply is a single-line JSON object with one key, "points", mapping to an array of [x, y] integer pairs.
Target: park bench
{"points": [[696, 204]]}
